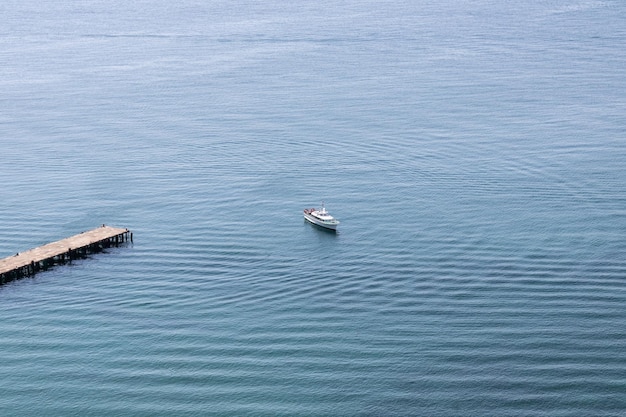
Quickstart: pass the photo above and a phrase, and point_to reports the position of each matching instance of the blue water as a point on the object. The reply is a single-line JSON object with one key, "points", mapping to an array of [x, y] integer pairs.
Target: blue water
{"points": [[474, 152]]}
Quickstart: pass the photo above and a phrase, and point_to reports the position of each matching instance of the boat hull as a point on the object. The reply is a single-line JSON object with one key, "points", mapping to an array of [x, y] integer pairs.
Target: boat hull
{"points": [[321, 223]]}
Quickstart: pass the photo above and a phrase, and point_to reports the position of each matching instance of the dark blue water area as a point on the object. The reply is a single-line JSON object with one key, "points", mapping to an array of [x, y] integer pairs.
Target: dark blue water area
{"points": [[473, 152]]}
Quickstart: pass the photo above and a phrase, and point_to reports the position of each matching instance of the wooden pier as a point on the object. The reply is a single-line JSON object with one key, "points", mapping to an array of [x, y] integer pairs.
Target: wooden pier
{"points": [[41, 258]]}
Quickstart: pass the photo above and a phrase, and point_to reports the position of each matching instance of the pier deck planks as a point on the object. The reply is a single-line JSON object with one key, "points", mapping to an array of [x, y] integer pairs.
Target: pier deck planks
{"points": [[61, 247]]}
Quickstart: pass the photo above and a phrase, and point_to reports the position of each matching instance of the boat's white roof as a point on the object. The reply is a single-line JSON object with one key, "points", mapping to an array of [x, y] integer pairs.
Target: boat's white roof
{"points": [[323, 214]]}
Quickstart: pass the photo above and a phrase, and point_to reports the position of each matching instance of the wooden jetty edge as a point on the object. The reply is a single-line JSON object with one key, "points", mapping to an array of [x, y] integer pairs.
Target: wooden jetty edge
{"points": [[65, 250]]}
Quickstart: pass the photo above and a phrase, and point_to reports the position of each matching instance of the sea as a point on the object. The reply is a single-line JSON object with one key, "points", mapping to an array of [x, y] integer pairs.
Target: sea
{"points": [[473, 151]]}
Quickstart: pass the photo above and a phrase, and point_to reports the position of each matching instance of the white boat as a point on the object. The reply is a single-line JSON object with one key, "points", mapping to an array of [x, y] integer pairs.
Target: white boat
{"points": [[321, 218]]}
